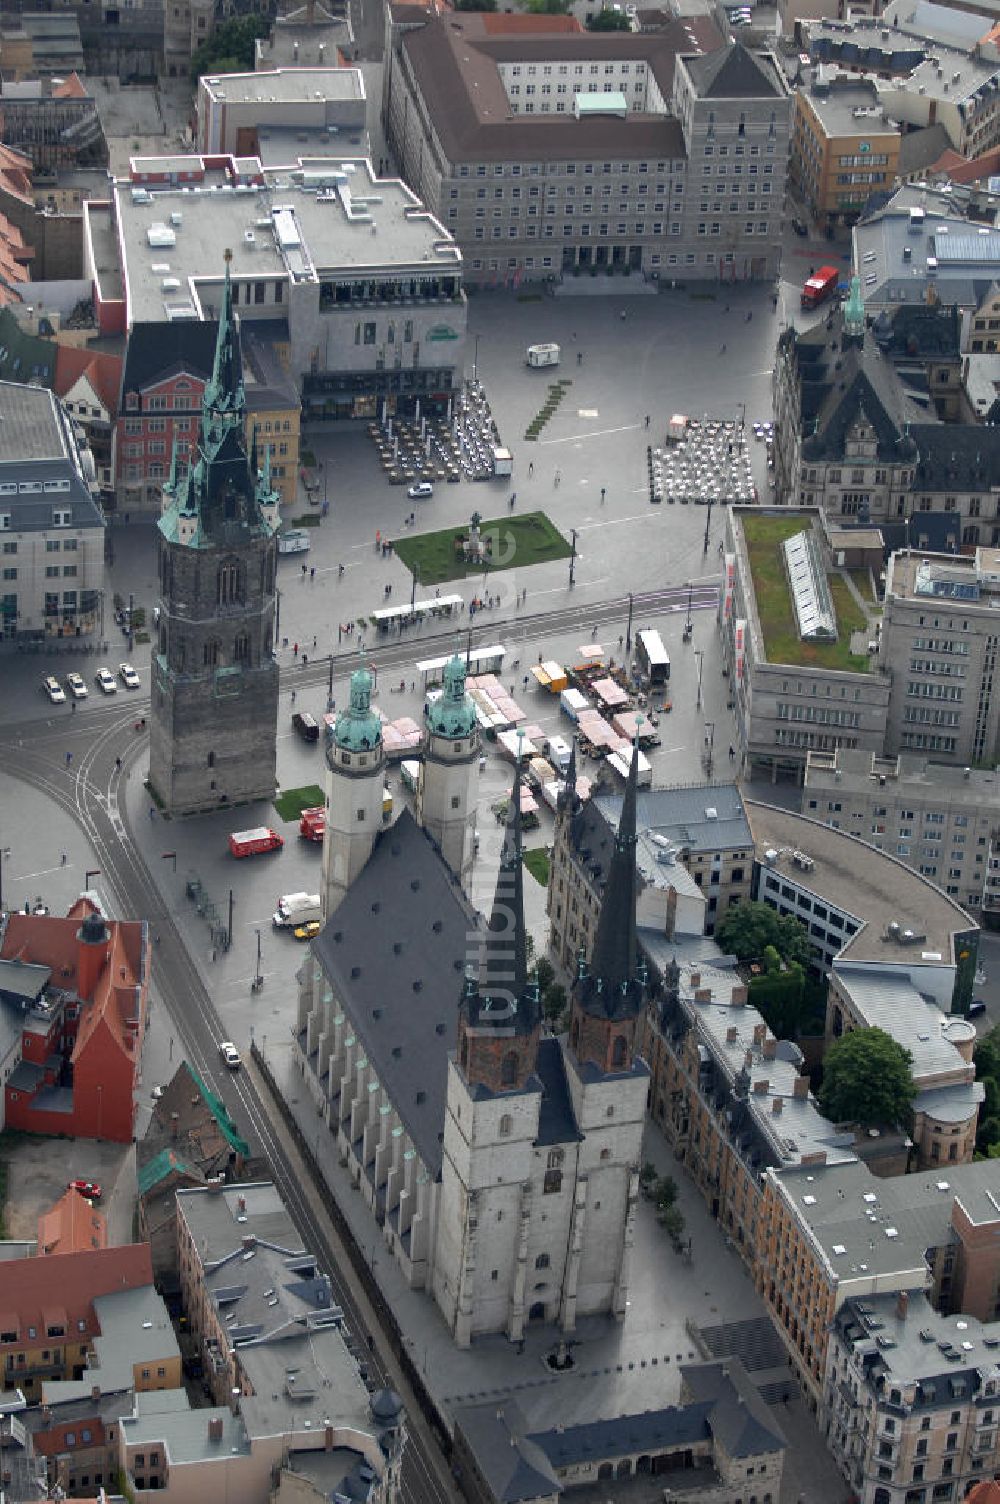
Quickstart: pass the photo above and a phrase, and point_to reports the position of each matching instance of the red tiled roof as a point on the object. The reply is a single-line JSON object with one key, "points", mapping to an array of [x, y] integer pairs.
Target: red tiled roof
{"points": [[47, 940], [28, 1286], [15, 174], [497, 25], [968, 169], [103, 371], [71, 1226], [70, 88], [984, 1493]]}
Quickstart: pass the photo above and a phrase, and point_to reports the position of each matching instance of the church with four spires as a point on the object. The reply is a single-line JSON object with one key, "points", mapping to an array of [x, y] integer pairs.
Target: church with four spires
{"points": [[500, 1162]]}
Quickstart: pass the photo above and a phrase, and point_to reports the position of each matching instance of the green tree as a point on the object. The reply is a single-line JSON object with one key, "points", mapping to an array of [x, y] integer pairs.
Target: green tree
{"points": [[866, 1079], [554, 1003], [609, 20], [545, 973], [665, 1192], [475, 4], [747, 929], [671, 1219], [230, 48], [647, 1174]]}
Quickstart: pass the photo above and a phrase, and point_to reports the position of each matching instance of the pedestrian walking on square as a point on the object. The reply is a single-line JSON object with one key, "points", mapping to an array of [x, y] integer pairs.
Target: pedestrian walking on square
{"points": [[647, 420], [304, 568], [603, 494], [312, 572], [314, 640], [69, 758], [295, 649], [531, 468], [555, 480], [293, 697]]}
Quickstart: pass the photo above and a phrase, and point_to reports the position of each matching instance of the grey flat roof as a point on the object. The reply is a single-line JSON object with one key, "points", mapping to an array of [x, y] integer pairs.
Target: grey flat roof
{"points": [[327, 1384], [30, 427], [871, 886], [165, 1416], [907, 774], [286, 85], [211, 1217], [889, 1001], [335, 230], [880, 241], [135, 1328], [909, 1347], [835, 109]]}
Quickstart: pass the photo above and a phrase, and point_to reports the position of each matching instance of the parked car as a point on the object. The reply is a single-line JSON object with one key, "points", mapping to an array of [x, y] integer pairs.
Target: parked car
{"points": [[230, 1054], [307, 931], [76, 686], [88, 1188], [977, 1008], [105, 681], [128, 676], [800, 227], [306, 725], [54, 690], [421, 490]]}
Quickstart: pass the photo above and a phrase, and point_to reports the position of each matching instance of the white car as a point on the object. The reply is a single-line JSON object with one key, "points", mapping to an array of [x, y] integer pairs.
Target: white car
{"points": [[105, 681], [421, 490], [128, 676], [76, 686], [54, 690], [230, 1054]]}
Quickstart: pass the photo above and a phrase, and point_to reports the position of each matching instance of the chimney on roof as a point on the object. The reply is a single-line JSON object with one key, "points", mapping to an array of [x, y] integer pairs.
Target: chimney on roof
{"points": [[695, 979], [215, 1185], [215, 1428], [902, 1305], [770, 1047], [776, 1106], [703, 994], [748, 1059], [762, 1087], [732, 1034], [738, 996], [47, 1414], [241, 1203], [95, 1392], [801, 1088], [328, 1439], [175, 1125], [93, 946], [249, 1240], [759, 1033]]}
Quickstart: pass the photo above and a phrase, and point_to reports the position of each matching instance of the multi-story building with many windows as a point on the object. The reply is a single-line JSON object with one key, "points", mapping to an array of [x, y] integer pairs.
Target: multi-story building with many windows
{"points": [[938, 819], [843, 150], [547, 152], [939, 645], [51, 523], [793, 695]]}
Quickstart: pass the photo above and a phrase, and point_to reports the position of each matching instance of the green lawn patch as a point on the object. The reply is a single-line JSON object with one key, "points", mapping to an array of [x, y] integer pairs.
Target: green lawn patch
{"points": [[863, 584], [527, 538], [291, 802], [536, 859], [764, 536], [308, 519]]}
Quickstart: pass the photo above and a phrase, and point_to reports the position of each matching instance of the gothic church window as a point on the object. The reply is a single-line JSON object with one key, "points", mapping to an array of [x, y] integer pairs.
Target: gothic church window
{"points": [[211, 654], [241, 648], [229, 589], [506, 1125]]}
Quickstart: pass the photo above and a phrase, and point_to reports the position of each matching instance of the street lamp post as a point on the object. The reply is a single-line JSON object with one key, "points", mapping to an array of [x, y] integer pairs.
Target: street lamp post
{"points": [[475, 361], [257, 976], [572, 557], [699, 653], [413, 587], [628, 628], [277, 615], [4, 852], [329, 683], [708, 524]]}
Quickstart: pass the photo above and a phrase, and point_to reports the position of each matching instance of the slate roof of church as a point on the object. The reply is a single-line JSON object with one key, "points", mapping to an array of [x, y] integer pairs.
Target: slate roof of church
{"points": [[395, 952]]}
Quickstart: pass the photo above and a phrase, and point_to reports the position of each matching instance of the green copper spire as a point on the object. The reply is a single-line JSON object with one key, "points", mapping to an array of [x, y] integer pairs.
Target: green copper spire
{"points": [[854, 311], [453, 714], [358, 728], [225, 399]]}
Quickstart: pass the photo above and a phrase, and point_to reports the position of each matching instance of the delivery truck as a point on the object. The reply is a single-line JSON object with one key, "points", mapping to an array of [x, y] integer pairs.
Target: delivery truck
{"points": [[542, 355], [295, 909], [253, 842], [820, 286], [312, 823]]}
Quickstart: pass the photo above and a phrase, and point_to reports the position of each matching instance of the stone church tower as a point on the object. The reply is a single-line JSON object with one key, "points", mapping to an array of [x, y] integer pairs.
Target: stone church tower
{"points": [[445, 804], [355, 780], [213, 720]]}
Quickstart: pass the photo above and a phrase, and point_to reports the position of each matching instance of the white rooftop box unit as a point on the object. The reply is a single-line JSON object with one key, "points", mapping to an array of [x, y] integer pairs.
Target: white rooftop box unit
{"points": [[161, 237], [176, 218], [917, 217]]}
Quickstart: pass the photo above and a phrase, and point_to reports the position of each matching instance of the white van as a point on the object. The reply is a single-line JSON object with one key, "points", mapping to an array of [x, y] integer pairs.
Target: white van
{"points": [[558, 752], [543, 355], [294, 909]]}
